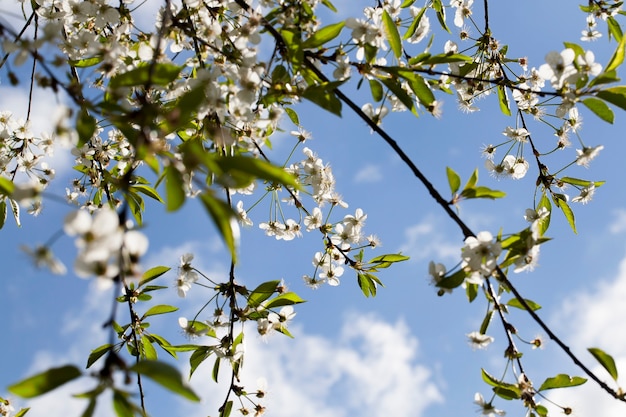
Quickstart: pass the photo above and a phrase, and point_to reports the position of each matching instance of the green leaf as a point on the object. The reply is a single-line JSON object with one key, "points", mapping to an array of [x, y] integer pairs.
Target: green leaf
{"points": [[159, 309], [419, 86], [377, 90], [513, 389], [324, 96], [618, 56], [562, 381], [396, 88], [407, 3], [614, 28], [152, 274], [453, 280], [23, 412], [368, 284], [504, 101], [323, 35], [165, 375], [97, 353], [471, 290], [514, 302], [224, 219], [391, 30], [121, 405], [197, 357], [15, 209], [605, 360], [581, 183], [44, 382], [226, 409], [390, 257], [471, 182], [578, 50], [446, 59], [262, 293], [569, 214], [614, 95], [541, 410], [485, 324], [216, 369], [6, 186], [174, 188], [147, 190], [85, 62], [85, 126], [482, 192], [148, 73], [453, 180], [286, 299], [3, 213], [293, 116], [252, 168], [599, 108], [545, 222], [415, 24], [149, 352]]}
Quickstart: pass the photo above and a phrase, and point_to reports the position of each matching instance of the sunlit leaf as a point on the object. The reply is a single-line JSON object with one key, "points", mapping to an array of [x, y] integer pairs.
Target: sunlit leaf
{"points": [[288, 298], [514, 302], [614, 95], [44, 382], [618, 56], [605, 360], [323, 35], [561, 381], [599, 108], [159, 309], [152, 274], [503, 100], [391, 30], [453, 180], [262, 293]]}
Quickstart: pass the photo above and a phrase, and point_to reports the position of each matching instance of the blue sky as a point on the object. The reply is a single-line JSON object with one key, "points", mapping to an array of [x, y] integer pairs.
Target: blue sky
{"points": [[403, 353]]}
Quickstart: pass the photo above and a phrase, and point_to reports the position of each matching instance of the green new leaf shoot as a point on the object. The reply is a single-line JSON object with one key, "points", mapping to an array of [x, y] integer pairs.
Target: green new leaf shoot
{"points": [[453, 180]]}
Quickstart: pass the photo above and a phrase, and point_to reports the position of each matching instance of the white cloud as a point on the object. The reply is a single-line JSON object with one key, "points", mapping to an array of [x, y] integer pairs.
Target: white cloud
{"points": [[424, 241], [370, 369], [367, 174], [619, 224], [595, 319]]}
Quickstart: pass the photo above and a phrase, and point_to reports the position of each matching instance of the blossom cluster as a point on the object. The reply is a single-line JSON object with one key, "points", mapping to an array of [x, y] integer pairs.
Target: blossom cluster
{"points": [[105, 249]]}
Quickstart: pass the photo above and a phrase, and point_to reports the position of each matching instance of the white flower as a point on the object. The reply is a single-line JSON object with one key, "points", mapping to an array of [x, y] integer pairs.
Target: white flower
{"points": [[519, 135], [478, 340], [43, 257], [586, 155], [558, 68], [486, 409], [586, 194], [587, 64], [480, 253]]}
